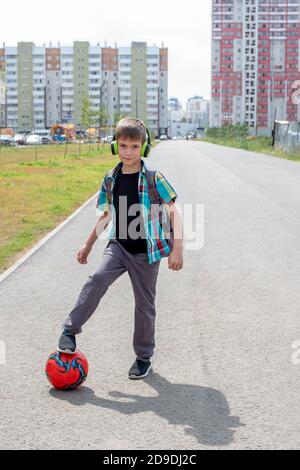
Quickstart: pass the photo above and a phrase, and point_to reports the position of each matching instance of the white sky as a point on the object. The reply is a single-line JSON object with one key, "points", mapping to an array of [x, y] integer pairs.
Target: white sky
{"points": [[183, 26]]}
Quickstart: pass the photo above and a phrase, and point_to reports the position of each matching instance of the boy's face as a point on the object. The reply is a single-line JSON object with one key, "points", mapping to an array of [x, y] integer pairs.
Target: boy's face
{"points": [[129, 151]]}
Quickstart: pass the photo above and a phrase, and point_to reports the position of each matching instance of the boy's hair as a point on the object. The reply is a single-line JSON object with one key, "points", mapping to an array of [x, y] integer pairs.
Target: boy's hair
{"points": [[130, 128]]}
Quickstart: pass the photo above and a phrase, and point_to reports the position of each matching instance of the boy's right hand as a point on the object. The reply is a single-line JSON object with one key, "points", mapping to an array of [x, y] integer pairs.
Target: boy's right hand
{"points": [[83, 254]]}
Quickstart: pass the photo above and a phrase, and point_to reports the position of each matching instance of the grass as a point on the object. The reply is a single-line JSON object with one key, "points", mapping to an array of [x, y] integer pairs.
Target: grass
{"points": [[260, 145], [37, 195]]}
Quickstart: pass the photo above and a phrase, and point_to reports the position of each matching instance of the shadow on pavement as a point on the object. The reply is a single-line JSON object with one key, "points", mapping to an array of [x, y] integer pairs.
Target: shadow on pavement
{"points": [[204, 412]]}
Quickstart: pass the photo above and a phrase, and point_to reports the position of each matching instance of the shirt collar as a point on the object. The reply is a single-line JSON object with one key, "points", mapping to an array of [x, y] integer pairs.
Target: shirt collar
{"points": [[119, 166]]}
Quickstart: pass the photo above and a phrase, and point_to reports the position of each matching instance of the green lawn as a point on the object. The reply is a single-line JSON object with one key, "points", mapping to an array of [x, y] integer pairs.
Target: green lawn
{"points": [[261, 145], [38, 194]]}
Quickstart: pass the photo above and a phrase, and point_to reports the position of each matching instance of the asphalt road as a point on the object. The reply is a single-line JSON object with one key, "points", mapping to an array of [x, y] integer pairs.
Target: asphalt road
{"points": [[223, 371]]}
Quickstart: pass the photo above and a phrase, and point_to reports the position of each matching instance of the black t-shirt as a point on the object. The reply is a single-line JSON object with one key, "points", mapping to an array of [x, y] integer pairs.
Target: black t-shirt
{"points": [[127, 185]]}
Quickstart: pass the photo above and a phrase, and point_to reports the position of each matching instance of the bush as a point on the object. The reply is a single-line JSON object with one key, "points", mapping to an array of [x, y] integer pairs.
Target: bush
{"points": [[228, 132]]}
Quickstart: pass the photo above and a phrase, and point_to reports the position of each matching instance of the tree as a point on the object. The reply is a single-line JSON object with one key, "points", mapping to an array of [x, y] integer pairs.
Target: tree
{"points": [[100, 117], [117, 116], [86, 113]]}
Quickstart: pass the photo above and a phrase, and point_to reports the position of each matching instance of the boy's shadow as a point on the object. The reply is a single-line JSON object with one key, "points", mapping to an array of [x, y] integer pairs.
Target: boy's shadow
{"points": [[203, 411]]}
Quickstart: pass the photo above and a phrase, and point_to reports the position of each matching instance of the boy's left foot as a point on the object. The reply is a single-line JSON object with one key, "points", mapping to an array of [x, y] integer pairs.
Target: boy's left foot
{"points": [[140, 369], [67, 343]]}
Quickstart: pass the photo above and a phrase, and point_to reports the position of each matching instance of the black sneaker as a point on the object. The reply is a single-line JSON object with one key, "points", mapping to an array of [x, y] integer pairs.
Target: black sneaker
{"points": [[67, 343], [140, 369]]}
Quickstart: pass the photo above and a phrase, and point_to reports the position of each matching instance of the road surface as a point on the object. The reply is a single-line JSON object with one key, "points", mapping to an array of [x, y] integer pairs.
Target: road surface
{"points": [[224, 375]]}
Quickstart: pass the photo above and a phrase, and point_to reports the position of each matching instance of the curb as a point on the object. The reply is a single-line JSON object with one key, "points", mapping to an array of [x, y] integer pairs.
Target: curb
{"points": [[44, 240]]}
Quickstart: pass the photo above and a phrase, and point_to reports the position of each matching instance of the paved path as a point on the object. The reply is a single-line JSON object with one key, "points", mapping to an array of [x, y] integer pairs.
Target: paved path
{"points": [[223, 376]]}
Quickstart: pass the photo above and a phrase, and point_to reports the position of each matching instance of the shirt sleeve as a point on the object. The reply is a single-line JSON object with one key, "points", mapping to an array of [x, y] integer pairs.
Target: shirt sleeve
{"points": [[102, 201], [164, 188]]}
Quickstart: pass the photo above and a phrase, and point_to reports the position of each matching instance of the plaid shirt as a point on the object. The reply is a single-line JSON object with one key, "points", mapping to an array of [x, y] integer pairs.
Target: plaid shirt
{"points": [[157, 245]]}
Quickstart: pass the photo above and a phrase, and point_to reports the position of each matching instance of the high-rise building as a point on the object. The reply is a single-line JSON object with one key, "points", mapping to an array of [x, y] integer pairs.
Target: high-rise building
{"points": [[41, 86], [255, 63], [198, 103], [190, 120], [2, 90], [144, 84], [54, 86], [174, 104]]}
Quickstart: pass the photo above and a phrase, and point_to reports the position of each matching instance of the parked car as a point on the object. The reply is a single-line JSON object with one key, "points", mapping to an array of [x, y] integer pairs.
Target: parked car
{"points": [[47, 140], [108, 139], [33, 139], [163, 137], [42, 132], [19, 139], [6, 139]]}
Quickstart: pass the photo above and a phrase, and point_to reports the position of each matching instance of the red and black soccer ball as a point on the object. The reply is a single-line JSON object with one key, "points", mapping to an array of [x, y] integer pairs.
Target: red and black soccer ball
{"points": [[67, 371]]}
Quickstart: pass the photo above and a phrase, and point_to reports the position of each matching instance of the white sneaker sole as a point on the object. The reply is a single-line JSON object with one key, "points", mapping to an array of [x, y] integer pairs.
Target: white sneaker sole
{"points": [[136, 377], [66, 351]]}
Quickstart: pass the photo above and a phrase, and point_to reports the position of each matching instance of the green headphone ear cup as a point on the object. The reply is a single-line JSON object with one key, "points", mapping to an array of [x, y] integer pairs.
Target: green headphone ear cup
{"points": [[114, 147], [147, 145], [143, 149], [147, 150]]}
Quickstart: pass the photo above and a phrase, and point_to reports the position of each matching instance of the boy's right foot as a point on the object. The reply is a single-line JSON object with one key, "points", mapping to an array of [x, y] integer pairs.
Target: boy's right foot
{"points": [[67, 343], [140, 369]]}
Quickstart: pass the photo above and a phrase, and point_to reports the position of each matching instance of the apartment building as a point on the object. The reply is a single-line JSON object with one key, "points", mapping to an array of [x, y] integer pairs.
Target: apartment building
{"points": [[143, 84], [255, 63], [2, 90], [200, 105], [41, 85], [174, 104], [193, 119]]}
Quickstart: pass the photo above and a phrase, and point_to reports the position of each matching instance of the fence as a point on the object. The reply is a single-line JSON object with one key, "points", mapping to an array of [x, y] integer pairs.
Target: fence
{"points": [[287, 136]]}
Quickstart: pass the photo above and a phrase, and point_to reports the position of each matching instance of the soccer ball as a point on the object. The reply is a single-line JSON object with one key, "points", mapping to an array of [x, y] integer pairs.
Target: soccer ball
{"points": [[67, 371]]}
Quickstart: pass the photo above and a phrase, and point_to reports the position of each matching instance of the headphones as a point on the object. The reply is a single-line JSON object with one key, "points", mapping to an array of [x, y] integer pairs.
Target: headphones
{"points": [[145, 150]]}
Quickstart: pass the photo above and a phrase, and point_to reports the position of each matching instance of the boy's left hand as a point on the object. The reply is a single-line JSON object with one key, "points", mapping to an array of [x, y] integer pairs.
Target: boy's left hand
{"points": [[175, 259]]}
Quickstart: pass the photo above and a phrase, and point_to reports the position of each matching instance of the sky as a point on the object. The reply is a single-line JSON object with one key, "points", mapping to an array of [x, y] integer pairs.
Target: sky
{"points": [[184, 27]]}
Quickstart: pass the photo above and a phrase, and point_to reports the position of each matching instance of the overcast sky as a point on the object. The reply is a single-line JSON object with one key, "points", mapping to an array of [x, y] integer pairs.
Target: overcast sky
{"points": [[183, 26]]}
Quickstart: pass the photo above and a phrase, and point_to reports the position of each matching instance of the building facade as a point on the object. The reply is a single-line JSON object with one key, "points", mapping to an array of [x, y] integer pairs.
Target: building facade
{"points": [[2, 90], [192, 120], [143, 84], [200, 105], [174, 104], [41, 86], [255, 63]]}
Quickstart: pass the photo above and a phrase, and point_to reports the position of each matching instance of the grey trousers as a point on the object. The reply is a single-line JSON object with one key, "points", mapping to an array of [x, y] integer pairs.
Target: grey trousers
{"points": [[115, 261]]}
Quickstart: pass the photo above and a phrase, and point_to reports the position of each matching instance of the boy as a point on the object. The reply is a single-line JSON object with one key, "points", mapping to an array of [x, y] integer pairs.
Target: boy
{"points": [[136, 251]]}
